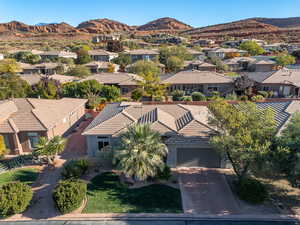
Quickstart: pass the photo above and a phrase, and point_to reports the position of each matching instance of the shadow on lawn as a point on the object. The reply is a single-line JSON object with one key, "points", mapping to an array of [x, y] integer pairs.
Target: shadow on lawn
{"points": [[152, 198]]}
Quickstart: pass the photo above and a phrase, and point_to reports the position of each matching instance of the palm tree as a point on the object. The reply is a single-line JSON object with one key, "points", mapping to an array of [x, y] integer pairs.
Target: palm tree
{"points": [[142, 153], [50, 148]]}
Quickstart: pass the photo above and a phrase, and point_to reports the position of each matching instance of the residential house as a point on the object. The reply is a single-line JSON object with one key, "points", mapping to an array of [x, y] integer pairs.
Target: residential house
{"points": [[204, 42], [58, 54], [200, 81], [97, 67], [199, 65], [142, 54], [106, 37], [196, 54], [24, 120], [262, 66], [42, 68], [127, 82], [1, 56], [251, 64], [31, 79], [102, 55], [284, 82], [63, 78], [222, 53], [237, 43], [183, 128]]}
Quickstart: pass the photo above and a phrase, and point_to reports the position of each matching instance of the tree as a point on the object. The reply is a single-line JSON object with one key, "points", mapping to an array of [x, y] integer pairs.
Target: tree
{"points": [[47, 88], [123, 60], [285, 59], [143, 67], [152, 86], [27, 57], [178, 51], [3, 149], [111, 68], [243, 84], [115, 46], [79, 71], [9, 66], [252, 48], [174, 64], [50, 148], [12, 86], [244, 133], [83, 57], [142, 152], [137, 94], [219, 64]]}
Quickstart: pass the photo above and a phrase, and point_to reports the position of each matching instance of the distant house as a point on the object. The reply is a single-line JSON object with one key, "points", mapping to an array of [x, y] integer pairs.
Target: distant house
{"points": [[127, 82], [237, 43], [105, 38], [251, 64], [42, 68], [102, 55], [196, 54], [58, 54], [142, 54], [274, 47], [24, 120], [98, 66], [1, 56], [223, 52], [199, 65], [63, 78], [284, 82], [200, 81], [204, 42]]}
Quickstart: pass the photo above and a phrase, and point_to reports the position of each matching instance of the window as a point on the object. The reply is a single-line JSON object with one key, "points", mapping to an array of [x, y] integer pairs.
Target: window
{"points": [[6, 141], [125, 90], [33, 139], [102, 142], [265, 88], [212, 88]]}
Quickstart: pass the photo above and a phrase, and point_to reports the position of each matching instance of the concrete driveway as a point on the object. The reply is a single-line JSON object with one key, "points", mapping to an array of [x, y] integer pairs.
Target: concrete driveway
{"points": [[206, 191]]}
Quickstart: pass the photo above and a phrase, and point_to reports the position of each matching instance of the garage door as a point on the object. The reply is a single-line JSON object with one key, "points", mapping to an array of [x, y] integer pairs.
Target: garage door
{"points": [[197, 157]]}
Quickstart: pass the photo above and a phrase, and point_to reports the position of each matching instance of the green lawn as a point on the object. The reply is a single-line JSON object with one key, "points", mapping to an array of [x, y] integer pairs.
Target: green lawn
{"points": [[27, 175], [107, 195]]}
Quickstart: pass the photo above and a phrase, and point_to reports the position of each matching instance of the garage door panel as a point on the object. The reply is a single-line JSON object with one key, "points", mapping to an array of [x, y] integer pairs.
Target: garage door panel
{"points": [[197, 157]]}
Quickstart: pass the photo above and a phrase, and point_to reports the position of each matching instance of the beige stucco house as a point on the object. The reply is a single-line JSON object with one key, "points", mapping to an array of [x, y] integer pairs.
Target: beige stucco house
{"points": [[24, 120]]}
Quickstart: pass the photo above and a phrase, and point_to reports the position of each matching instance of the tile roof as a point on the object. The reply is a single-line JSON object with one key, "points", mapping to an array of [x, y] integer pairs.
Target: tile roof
{"points": [[142, 52], [31, 79], [101, 52], [198, 77], [166, 119], [115, 78], [38, 114], [283, 76]]}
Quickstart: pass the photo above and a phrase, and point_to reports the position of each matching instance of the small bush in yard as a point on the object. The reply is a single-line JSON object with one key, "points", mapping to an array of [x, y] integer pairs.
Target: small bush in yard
{"points": [[165, 174], [14, 198], [265, 94], [69, 195], [198, 96], [186, 98], [177, 94], [75, 169], [251, 190]]}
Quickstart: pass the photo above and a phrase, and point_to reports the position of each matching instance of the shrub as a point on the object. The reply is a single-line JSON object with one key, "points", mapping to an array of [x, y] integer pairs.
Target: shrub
{"points": [[186, 98], [244, 98], [164, 174], [263, 93], [75, 169], [270, 94], [137, 94], [177, 94], [251, 190], [198, 96], [69, 195], [14, 198], [256, 98]]}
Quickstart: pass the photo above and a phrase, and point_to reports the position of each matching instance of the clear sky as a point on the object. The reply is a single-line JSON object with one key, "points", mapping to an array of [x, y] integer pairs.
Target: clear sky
{"points": [[137, 12]]}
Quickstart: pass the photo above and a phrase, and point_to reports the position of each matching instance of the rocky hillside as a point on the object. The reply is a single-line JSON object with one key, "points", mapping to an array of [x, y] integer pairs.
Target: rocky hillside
{"points": [[292, 22], [103, 26], [249, 28], [16, 26], [165, 23]]}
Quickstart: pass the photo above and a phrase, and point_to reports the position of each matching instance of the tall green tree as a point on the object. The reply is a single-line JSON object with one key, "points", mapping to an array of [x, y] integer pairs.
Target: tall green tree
{"points": [[244, 133], [252, 47], [12, 86], [174, 64], [142, 152], [47, 88], [79, 71], [178, 51], [9, 66], [143, 67], [285, 59], [50, 148], [83, 57], [123, 60]]}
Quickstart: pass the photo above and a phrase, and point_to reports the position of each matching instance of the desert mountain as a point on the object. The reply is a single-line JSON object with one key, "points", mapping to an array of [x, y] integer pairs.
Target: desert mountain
{"points": [[291, 22], [165, 23], [103, 26]]}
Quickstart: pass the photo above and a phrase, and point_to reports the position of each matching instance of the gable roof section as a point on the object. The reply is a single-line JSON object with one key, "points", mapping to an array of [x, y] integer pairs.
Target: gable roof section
{"points": [[198, 77]]}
